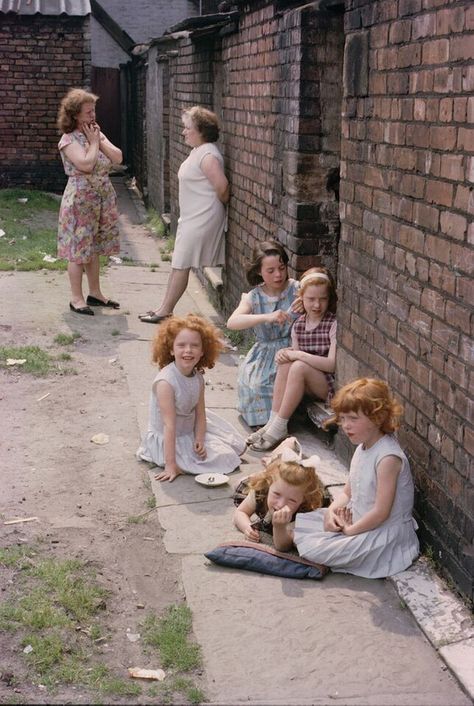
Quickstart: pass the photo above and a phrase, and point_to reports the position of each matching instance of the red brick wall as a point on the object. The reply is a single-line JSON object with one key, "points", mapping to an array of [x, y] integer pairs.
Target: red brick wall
{"points": [[40, 59], [276, 86], [405, 258]]}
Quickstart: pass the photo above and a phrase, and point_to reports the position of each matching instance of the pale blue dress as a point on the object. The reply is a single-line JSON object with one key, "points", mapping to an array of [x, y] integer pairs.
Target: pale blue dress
{"points": [[383, 551], [224, 445], [258, 370]]}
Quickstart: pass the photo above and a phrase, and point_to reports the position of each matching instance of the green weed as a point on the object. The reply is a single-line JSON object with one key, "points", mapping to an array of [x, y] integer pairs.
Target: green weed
{"points": [[38, 362], [27, 241], [66, 339], [151, 502], [15, 556], [169, 634], [115, 332], [155, 223]]}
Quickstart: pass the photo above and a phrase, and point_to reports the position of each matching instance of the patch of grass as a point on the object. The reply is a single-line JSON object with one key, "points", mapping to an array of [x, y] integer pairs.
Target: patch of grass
{"points": [[169, 635], [115, 332], [15, 556], [167, 250], [65, 356], [129, 261], [151, 502], [243, 340], [155, 223], [38, 362], [136, 519], [27, 240], [51, 603], [101, 679], [66, 339]]}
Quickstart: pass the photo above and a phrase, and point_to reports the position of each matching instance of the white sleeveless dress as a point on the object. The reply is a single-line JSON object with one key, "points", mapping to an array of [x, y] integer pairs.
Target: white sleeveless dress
{"points": [[223, 444], [202, 216], [389, 548]]}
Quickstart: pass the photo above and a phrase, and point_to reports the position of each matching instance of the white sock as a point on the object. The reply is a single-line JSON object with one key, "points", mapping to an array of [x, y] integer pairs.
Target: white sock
{"points": [[278, 428]]}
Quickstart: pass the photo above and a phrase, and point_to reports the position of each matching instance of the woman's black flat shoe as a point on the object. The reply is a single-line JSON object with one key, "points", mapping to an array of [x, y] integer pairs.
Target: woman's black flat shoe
{"points": [[86, 310], [152, 318], [93, 301]]}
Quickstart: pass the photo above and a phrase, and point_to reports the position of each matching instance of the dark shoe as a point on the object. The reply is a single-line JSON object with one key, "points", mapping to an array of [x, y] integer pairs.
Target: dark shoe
{"points": [[152, 318], [93, 301], [81, 310]]}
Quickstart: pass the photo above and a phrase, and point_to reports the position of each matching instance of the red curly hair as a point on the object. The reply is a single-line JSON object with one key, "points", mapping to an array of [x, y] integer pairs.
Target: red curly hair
{"points": [[162, 344], [293, 473], [373, 398]]}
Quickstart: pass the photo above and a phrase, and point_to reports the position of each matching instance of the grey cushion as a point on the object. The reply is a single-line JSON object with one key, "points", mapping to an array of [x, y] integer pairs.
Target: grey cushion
{"points": [[265, 561]]}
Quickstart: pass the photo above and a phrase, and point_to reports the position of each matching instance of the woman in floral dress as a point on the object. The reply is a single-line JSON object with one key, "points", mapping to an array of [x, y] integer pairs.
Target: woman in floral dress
{"points": [[88, 218]]}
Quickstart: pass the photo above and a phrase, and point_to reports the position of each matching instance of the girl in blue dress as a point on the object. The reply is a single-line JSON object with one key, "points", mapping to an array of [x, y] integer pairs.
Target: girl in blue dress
{"points": [[266, 309]]}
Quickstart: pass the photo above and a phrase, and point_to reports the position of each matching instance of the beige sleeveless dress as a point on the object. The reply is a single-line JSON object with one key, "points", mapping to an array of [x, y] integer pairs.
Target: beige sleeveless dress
{"points": [[202, 216]]}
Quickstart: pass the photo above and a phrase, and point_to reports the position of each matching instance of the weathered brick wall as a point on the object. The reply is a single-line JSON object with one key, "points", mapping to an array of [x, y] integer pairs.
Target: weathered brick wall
{"points": [[40, 59], [405, 265], [276, 85]]}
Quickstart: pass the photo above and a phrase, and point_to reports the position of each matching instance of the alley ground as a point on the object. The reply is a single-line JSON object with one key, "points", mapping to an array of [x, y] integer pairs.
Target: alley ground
{"points": [[265, 640]]}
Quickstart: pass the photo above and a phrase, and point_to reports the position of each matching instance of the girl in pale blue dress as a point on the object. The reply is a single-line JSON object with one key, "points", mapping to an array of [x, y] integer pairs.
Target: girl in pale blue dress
{"points": [[182, 435], [368, 530], [266, 309]]}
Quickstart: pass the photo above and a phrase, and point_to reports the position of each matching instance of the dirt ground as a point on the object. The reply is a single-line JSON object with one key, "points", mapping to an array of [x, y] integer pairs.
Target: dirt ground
{"points": [[83, 494]]}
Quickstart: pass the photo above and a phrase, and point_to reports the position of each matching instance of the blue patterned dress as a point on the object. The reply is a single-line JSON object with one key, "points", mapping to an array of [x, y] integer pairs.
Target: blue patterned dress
{"points": [[258, 369]]}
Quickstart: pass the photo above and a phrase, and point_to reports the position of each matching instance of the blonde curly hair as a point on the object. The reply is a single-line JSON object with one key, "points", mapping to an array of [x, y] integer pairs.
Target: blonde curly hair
{"points": [[293, 473], [162, 344], [373, 398]]}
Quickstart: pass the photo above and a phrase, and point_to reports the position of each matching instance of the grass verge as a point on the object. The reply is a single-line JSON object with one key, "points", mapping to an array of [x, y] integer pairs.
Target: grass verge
{"points": [[30, 230], [34, 360]]}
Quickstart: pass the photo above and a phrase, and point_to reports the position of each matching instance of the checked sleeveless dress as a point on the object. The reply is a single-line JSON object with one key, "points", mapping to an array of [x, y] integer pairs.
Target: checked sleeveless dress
{"points": [[317, 341]]}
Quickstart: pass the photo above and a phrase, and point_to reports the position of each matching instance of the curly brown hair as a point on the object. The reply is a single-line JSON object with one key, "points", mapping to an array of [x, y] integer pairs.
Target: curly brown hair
{"points": [[162, 344], [371, 397], [311, 277], [265, 249], [205, 122], [293, 473], [71, 106]]}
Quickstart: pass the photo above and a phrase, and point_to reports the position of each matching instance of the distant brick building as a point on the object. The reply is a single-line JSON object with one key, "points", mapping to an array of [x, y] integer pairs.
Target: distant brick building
{"points": [[380, 93], [42, 54]]}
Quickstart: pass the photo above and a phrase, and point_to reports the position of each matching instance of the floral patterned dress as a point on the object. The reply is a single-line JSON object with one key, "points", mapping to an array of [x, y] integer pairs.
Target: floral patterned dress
{"points": [[88, 217]]}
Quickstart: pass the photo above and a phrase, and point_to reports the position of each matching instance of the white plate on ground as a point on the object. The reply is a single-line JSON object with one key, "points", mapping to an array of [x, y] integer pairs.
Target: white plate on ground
{"points": [[212, 479]]}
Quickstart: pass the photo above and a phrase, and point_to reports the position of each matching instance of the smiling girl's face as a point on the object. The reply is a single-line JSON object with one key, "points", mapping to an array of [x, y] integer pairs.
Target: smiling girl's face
{"points": [[187, 350], [274, 273], [281, 493]]}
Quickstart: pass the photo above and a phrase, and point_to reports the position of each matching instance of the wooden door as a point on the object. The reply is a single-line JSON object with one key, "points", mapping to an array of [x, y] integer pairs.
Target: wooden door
{"points": [[106, 84]]}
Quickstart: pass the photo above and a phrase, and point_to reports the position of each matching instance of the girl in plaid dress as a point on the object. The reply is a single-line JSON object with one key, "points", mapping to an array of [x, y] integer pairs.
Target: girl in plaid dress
{"points": [[307, 368]]}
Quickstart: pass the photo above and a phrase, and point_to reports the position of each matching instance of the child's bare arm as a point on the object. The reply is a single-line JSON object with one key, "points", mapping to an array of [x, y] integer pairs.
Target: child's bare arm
{"points": [[166, 401], [243, 317], [242, 515], [332, 520], [387, 474], [282, 534]]}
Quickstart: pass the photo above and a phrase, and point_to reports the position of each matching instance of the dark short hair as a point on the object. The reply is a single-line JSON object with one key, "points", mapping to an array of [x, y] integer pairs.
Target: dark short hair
{"points": [[265, 249], [205, 122]]}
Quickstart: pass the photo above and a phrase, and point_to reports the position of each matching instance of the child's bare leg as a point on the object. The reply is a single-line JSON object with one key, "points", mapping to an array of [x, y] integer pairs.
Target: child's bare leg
{"points": [[301, 378]]}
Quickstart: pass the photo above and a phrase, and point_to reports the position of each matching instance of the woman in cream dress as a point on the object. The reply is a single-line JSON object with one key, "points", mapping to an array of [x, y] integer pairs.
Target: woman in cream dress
{"points": [[203, 193]]}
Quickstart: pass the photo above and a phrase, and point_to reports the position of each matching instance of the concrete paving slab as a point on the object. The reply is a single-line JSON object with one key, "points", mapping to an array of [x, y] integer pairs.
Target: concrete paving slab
{"points": [[460, 658], [280, 641], [442, 617], [267, 640]]}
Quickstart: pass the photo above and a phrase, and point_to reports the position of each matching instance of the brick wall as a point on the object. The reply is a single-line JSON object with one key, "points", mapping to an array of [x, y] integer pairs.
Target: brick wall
{"points": [[405, 261], [276, 86], [40, 59]]}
